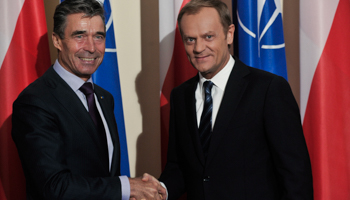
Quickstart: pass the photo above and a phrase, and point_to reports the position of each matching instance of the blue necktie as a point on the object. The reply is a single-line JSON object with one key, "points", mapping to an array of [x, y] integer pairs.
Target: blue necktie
{"points": [[206, 122]]}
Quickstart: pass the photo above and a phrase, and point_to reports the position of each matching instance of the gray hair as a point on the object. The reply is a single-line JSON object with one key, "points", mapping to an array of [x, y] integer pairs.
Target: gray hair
{"points": [[90, 8]]}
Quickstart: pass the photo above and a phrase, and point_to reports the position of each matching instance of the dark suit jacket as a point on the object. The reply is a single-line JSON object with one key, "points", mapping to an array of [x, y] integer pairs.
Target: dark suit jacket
{"points": [[257, 149], [55, 138]]}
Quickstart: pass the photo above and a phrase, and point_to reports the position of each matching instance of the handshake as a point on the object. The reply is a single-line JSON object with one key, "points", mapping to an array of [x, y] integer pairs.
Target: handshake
{"points": [[146, 187]]}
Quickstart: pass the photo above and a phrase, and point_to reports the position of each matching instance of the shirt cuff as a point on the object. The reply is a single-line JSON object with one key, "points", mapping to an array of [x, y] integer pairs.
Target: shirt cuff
{"points": [[165, 189], [125, 184]]}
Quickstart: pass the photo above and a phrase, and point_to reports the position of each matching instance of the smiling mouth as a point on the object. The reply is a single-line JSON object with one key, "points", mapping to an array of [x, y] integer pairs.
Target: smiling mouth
{"points": [[87, 59], [201, 57]]}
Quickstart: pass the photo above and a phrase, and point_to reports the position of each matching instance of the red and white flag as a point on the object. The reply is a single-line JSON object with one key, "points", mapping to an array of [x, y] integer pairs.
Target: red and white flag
{"points": [[174, 65], [24, 56], [325, 94]]}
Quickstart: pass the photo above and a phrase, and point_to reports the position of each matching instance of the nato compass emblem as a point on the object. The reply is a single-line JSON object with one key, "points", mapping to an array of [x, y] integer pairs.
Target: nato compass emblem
{"points": [[260, 35]]}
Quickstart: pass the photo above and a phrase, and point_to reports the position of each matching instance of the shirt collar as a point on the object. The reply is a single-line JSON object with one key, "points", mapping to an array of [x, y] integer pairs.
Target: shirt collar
{"points": [[72, 80], [221, 78]]}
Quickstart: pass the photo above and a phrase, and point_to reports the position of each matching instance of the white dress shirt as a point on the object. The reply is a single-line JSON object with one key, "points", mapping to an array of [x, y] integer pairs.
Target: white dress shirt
{"points": [[217, 91]]}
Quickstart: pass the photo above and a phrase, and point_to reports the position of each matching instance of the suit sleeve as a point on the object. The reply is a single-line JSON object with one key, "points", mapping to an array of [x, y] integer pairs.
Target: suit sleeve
{"points": [[172, 175], [286, 141], [41, 148]]}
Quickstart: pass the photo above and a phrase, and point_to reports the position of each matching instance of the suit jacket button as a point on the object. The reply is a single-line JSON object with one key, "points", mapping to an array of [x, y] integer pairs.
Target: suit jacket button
{"points": [[206, 178]]}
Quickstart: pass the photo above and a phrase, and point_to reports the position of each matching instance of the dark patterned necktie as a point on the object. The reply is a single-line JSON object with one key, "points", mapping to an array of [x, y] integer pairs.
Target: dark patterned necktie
{"points": [[206, 122], [95, 115]]}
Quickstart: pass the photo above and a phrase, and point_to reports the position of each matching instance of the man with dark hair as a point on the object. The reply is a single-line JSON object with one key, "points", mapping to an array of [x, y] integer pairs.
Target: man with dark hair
{"points": [[235, 131], [63, 124]]}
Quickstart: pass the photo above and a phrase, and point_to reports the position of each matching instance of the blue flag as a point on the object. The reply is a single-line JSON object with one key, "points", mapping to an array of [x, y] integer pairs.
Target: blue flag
{"points": [[260, 35], [107, 76]]}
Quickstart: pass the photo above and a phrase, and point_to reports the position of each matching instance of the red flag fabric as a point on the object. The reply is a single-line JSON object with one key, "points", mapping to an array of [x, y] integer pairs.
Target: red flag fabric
{"points": [[174, 65], [24, 56], [325, 94]]}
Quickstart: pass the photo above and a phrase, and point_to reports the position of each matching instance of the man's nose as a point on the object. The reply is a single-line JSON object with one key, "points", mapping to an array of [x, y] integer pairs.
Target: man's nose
{"points": [[199, 46], [90, 45]]}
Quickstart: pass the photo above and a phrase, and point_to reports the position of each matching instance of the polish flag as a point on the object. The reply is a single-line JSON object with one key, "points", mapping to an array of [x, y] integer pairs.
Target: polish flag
{"points": [[24, 56], [325, 94], [174, 65]]}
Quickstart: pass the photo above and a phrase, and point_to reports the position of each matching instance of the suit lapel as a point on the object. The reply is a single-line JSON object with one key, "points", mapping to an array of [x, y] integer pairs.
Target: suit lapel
{"points": [[192, 118], [108, 113], [234, 90], [69, 100]]}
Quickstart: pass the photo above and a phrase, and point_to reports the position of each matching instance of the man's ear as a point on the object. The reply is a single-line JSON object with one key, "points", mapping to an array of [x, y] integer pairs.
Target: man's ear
{"points": [[230, 34], [57, 41]]}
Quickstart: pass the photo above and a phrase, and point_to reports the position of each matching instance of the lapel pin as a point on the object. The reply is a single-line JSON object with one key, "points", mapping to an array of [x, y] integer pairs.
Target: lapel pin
{"points": [[102, 97]]}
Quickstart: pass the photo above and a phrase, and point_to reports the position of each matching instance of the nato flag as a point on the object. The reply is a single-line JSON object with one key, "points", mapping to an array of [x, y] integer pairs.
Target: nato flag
{"points": [[260, 35]]}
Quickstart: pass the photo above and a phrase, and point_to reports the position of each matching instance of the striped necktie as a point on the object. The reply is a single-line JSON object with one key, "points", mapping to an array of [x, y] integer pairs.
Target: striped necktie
{"points": [[206, 121]]}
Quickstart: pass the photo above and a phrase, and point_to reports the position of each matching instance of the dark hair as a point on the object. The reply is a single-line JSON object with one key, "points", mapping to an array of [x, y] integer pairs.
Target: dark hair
{"points": [[90, 8], [194, 7]]}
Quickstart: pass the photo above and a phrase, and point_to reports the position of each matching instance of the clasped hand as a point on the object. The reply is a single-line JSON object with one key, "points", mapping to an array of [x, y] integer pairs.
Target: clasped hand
{"points": [[146, 187]]}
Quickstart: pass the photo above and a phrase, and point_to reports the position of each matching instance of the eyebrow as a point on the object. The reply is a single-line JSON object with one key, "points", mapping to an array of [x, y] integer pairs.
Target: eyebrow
{"points": [[210, 33], [206, 33], [82, 32], [187, 36], [101, 33], [78, 33]]}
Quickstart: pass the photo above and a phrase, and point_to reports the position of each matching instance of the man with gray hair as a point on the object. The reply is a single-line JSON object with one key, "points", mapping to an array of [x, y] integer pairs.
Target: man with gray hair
{"points": [[63, 124]]}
